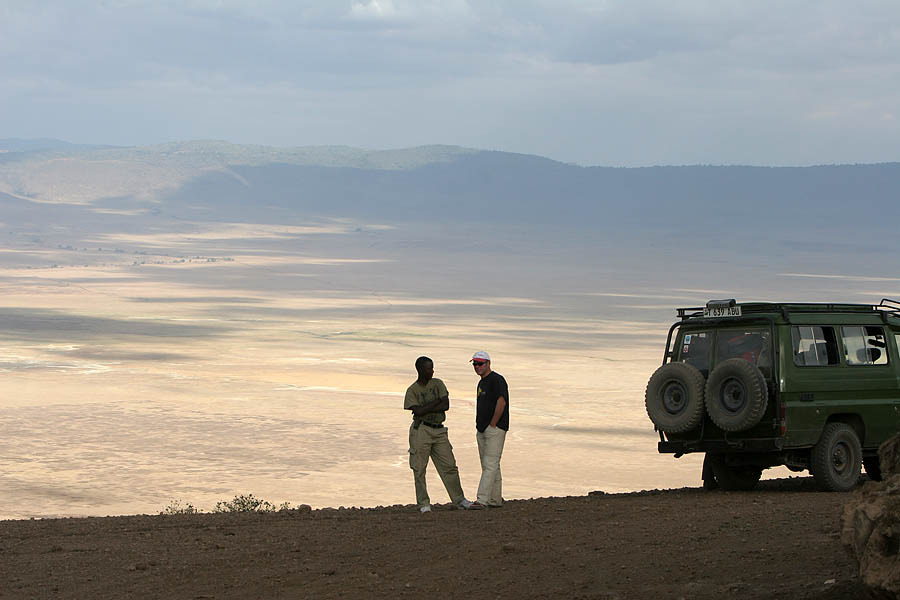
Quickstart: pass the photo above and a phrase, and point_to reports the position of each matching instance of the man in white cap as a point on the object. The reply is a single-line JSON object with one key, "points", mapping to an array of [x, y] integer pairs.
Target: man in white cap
{"points": [[491, 425]]}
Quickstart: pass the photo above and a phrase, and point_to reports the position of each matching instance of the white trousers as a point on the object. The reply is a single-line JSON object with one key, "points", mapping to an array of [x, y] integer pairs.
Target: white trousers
{"points": [[490, 448]]}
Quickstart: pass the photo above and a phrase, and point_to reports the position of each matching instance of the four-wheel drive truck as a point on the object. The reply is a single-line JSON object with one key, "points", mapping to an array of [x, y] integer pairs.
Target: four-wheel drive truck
{"points": [[756, 385]]}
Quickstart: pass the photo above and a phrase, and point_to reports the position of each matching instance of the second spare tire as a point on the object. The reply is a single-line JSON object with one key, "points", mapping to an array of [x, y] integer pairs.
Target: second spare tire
{"points": [[736, 395]]}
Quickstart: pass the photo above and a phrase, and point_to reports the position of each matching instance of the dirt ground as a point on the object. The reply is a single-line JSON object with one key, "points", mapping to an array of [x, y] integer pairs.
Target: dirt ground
{"points": [[780, 541]]}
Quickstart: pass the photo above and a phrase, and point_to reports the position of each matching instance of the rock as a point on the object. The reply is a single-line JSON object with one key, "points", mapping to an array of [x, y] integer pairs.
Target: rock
{"points": [[870, 526]]}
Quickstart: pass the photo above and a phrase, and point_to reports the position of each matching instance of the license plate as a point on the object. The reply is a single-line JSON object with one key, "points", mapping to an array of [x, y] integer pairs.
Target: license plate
{"points": [[722, 311]]}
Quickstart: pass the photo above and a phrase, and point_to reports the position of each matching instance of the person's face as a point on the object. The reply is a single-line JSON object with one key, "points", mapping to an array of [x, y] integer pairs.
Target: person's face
{"points": [[427, 371], [482, 367]]}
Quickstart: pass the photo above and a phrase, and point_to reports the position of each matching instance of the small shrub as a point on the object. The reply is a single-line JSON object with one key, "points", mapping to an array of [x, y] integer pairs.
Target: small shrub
{"points": [[239, 504], [175, 507], [247, 503]]}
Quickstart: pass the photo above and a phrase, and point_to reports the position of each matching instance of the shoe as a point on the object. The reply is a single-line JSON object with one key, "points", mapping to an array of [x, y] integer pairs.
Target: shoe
{"points": [[464, 504], [476, 506], [424, 509]]}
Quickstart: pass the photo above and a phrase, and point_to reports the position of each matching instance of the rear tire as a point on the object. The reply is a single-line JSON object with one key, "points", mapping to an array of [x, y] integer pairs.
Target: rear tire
{"points": [[836, 459], [736, 395], [735, 478], [674, 397]]}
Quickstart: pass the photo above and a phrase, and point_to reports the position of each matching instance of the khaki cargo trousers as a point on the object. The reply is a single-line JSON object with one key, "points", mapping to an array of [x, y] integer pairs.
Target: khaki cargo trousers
{"points": [[429, 442]]}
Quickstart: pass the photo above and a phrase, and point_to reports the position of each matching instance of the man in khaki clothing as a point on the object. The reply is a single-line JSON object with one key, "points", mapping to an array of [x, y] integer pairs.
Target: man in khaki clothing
{"points": [[428, 400]]}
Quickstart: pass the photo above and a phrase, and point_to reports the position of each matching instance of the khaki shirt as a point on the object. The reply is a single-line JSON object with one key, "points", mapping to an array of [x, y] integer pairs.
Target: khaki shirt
{"points": [[419, 395]]}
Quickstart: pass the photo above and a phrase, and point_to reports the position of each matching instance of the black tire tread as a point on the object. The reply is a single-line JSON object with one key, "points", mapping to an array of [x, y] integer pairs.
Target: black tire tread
{"points": [[694, 384], [757, 391], [820, 458]]}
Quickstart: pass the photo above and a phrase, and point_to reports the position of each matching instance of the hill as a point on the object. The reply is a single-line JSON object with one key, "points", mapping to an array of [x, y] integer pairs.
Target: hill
{"points": [[448, 185]]}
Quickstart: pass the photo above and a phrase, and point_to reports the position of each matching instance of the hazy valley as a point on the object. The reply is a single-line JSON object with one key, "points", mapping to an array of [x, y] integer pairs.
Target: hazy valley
{"points": [[200, 320]]}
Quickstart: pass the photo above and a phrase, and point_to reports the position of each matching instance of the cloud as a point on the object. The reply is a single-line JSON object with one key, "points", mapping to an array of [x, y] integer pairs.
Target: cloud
{"points": [[373, 9], [596, 82]]}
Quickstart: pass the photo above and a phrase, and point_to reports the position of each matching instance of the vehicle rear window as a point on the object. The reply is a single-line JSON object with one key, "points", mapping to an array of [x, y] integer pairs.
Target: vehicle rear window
{"points": [[864, 345], [695, 350], [814, 346], [750, 344]]}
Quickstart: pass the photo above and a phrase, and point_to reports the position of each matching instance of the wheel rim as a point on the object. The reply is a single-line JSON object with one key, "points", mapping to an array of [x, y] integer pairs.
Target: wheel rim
{"points": [[840, 458], [674, 397], [733, 395]]}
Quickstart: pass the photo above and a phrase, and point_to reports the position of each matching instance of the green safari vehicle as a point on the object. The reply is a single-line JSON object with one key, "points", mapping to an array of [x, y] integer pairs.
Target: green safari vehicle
{"points": [[756, 385]]}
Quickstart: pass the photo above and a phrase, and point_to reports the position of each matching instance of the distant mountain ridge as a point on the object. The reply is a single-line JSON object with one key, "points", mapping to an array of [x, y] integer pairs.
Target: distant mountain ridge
{"points": [[523, 189], [212, 180], [213, 153], [43, 144]]}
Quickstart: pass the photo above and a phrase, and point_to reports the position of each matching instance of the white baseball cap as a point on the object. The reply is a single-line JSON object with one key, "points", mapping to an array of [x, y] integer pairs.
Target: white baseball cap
{"points": [[480, 355]]}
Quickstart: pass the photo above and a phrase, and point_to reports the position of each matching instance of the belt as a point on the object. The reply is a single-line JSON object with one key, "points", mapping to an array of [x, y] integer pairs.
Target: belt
{"points": [[438, 426]]}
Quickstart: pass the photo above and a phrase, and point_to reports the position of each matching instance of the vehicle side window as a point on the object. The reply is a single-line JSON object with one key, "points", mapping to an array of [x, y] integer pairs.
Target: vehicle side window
{"points": [[864, 345], [695, 350], [814, 346]]}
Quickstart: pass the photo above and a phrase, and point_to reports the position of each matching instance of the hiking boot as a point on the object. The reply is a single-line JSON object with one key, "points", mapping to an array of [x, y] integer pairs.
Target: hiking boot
{"points": [[425, 508], [464, 504]]}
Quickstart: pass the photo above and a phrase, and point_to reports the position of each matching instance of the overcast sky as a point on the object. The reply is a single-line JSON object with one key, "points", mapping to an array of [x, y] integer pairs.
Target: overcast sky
{"points": [[593, 82]]}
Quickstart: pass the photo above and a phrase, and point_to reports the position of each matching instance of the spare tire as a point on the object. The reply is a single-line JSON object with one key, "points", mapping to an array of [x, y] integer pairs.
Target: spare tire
{"points": [[674, 397], [736, 395]]}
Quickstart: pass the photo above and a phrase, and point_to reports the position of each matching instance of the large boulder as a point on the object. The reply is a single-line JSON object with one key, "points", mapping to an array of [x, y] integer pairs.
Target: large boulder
{"points": [[870, 526]]}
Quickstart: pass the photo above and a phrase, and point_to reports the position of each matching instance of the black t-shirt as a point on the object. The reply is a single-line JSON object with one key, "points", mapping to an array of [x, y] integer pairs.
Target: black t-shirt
{"points": [[489, 389]]}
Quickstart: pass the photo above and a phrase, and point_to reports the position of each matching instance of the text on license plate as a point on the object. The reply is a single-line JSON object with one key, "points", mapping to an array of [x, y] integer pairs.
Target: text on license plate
{"points": [[722, 311]]}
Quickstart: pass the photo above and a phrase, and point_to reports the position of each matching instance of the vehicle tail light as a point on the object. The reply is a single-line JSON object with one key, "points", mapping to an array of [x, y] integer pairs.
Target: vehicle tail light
{"points": [[782, 417]]}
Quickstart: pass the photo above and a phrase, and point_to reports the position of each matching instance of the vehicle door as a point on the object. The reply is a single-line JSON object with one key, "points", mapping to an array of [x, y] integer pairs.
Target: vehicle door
{"points": [[813, 376], [871, 381]]}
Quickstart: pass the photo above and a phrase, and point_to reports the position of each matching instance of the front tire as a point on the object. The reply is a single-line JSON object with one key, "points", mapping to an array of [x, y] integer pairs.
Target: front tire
{"points": [[674, 397], [836, 458]]}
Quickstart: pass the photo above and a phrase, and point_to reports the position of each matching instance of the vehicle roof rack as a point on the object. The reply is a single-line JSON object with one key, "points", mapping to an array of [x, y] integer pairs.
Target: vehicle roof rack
{"points": [[890, 307], [887, 308]]}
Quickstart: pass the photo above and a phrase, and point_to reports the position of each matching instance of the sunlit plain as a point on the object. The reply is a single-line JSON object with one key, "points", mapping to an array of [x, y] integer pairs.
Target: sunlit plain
{"points": [[275, 364]]}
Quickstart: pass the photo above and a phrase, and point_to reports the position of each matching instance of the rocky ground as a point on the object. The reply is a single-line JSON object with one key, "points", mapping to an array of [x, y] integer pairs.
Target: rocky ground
{"points": [[781, 541]]}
